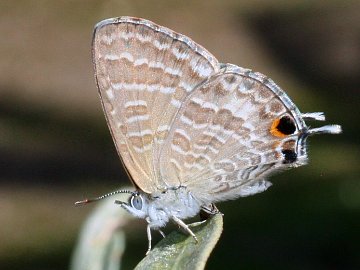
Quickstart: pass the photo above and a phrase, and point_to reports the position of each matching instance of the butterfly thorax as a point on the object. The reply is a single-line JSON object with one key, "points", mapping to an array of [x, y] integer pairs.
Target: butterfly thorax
{"points": [[159, 207]]}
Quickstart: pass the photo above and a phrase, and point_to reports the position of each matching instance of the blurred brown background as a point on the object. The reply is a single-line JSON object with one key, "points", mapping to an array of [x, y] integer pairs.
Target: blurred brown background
{"points": [[55, 147]]}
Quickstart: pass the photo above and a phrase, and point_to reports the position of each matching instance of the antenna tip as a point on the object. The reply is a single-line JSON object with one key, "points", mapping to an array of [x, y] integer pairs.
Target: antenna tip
{"points": [[78, 203]]}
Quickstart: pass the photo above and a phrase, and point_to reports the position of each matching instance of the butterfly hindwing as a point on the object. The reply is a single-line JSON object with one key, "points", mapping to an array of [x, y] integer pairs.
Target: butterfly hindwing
{"points": [[226, 137]]}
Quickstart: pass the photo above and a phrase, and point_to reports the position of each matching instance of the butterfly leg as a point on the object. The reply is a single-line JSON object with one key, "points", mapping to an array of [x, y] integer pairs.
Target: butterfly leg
{"points": [[148, 231], [162, 233], [206, 212], [185, 227], [196, 223], [210, 209]]}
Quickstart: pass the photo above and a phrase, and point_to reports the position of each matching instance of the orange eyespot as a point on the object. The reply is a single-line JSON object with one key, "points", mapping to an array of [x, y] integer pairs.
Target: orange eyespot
{"points": [[282, 127], [274, 131]]}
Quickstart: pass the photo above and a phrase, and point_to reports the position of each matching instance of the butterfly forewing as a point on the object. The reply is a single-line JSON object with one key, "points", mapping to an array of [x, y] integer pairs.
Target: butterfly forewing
{"points": [[144, 72], [221, 145]]}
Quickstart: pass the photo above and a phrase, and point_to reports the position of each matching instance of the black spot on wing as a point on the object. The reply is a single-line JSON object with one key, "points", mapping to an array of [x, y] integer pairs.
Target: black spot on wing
{"points": [[289, 156], [286, 125]]}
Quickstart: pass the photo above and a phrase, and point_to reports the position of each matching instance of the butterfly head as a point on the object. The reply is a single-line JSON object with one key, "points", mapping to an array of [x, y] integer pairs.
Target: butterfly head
{"points": [[137, 205]]}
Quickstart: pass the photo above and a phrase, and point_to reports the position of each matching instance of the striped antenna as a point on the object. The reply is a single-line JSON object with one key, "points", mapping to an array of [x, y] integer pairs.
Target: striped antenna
{"points": [[86, 201]]}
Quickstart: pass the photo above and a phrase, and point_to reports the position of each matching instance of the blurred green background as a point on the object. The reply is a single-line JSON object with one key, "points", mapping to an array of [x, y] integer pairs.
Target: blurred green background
{"points": [[55, 147]]}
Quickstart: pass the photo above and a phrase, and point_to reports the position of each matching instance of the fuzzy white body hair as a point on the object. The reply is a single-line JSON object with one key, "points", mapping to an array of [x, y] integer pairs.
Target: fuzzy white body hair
{"points": [[160, 207]]}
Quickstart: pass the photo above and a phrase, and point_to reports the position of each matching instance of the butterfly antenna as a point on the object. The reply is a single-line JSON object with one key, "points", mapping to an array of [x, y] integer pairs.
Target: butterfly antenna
{"points": [[86, 201]]}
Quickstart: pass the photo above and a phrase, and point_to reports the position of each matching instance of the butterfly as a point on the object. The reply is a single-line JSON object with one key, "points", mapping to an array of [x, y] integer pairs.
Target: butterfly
{"points": [[190, 131]]}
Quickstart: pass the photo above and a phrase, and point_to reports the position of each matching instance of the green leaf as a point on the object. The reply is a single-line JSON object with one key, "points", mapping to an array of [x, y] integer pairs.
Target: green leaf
{"points": [[180, 251]]}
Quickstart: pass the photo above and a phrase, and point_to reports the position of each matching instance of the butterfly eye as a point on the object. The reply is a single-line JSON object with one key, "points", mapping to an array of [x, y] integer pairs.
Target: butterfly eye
{"points": [[283, 126], [136, 201]]}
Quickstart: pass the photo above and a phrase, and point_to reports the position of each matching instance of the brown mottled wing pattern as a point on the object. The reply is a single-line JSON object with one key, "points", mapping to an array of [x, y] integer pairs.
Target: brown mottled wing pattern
{"points": [[220, 145], [144, 72]]}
